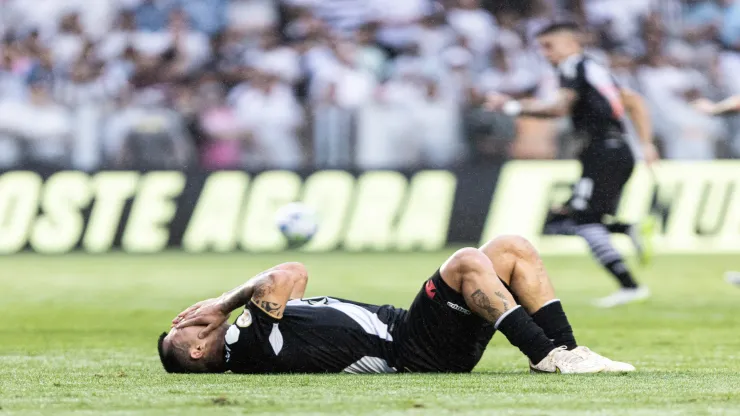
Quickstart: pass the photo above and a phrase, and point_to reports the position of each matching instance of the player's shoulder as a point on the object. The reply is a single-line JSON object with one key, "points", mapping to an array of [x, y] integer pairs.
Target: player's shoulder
{"points": [[572, 67], [246, 336], [597, 72]]}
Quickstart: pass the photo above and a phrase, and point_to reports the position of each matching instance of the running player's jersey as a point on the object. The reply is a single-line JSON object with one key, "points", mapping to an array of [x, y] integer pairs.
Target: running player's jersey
{"points": [[315, 335], [598, 109]]}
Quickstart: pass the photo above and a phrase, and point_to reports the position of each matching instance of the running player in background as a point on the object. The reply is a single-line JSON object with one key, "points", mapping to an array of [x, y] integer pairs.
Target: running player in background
{"points": [[596, 105]]}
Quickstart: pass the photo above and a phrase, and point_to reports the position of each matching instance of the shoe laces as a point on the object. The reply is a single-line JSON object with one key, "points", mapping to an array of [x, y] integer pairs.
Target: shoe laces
{"points": [[571, 358]]}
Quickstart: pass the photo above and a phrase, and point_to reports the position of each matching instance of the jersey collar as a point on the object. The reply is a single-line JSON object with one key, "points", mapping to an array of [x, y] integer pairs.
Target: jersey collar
{"points": [[568, 65]]}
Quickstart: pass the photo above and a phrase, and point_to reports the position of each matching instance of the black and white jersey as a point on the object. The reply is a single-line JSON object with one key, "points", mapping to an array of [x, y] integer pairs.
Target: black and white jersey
{"points": [[598, 110], [316, 335]]}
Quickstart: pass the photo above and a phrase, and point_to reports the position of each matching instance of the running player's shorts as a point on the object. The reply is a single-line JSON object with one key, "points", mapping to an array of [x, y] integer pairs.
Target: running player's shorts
{"points": [[607, 166], [440, 333]]}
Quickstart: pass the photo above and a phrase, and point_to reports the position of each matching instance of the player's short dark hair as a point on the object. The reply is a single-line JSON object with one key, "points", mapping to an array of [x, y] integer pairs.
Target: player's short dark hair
{"points": [[168, 358], [565, 26]]}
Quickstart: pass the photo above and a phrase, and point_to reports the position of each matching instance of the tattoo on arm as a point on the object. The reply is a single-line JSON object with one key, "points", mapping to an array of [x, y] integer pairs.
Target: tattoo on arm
{"points": [[257, 289], [489, 311], [271, 308], [239, 296], [260, 292]]}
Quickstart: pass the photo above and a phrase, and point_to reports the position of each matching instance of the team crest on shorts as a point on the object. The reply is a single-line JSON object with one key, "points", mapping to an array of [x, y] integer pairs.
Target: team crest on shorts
{"points": [[245, 319]]}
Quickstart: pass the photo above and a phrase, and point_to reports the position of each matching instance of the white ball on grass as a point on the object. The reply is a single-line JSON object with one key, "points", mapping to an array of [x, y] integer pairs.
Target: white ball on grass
{"points": [[297, 222]]}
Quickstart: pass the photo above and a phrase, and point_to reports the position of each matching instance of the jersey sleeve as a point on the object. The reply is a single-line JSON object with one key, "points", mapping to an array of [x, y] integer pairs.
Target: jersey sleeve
{"points": [[259, 314]]}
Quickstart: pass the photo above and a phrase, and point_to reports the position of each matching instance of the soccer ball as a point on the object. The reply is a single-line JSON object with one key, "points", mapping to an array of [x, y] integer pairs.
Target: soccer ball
{"points": [[297, 222]]}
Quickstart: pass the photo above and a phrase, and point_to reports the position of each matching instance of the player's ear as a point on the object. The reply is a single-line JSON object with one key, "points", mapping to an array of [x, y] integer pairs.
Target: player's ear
{"points": [[197, 351]]}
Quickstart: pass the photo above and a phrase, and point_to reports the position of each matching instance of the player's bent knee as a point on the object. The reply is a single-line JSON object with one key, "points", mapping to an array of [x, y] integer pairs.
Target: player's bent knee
{"points": [[515, 245], [294, 267], [466, 263]]}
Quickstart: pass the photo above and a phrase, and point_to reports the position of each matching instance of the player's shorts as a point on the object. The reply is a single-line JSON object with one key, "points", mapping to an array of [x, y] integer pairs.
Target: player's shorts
{"points": [[607, 166], [440, 333]]}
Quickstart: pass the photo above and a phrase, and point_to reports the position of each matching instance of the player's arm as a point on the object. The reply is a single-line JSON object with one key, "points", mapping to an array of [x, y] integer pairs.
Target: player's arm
{"points": [[729, 105], [559, 107], [269, 291], [635, 106], [638, 112]]}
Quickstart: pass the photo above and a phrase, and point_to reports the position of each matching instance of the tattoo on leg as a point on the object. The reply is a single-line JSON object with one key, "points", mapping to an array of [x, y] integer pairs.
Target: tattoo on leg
{"points": [[481, 300], [503, 299]]}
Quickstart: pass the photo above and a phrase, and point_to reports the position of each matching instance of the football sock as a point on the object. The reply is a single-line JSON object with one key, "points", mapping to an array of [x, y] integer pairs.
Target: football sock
{"points": [[521, 331], [599, 241], [618, 228], [551, 318], [619, 270]]}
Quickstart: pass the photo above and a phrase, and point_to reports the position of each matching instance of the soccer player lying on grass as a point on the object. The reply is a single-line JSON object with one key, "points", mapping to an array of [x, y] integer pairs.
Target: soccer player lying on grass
{"points": [[501, 286]]}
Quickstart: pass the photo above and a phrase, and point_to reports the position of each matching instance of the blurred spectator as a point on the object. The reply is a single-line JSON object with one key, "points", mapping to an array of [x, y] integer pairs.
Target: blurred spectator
{"points": [[730, 32], [178, 46], [436, 123], [342, 80], [396, 21], [669, 89], [514, 73], [369, 56], [151, 15], [474, 23], [207, 16], [251, 16], [271, 119], [281, 59], [342, 16], [620, 19], [433, 34], [69, 42], [114, 44], [145, 133], [40, 128], [700, 15], [223, 134]]}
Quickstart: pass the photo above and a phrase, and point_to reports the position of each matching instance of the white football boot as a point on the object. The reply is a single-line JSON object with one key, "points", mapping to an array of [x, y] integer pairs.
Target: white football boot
{"points": [[623, 296], [609, 365], [733, 278], [560, 360]]}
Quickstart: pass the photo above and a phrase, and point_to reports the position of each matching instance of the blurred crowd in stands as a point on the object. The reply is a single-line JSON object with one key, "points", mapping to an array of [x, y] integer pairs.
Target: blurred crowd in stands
{"points": [[339, 83]]}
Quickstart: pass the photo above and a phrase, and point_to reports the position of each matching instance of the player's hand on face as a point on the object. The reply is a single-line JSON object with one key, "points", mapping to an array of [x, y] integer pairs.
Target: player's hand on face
{"points": [[190, 310], [650, 153], [208, 313]]}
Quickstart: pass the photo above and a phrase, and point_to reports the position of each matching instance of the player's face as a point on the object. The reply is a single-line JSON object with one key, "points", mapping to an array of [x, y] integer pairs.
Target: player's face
{"points": [[556, 47], [185, 336], [188, 337]]}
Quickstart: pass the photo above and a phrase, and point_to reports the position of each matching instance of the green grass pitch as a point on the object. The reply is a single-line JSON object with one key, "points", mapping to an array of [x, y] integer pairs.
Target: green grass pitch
{"points": [[78, 334]]}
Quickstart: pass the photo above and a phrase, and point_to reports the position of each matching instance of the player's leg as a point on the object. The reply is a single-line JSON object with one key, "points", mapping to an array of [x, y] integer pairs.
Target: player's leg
{"points": [[559, 221], [520, 267], [470, 272], [597, 194], [640, 234]]}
